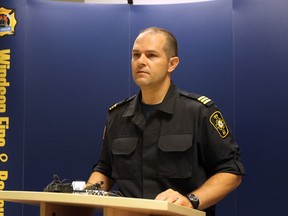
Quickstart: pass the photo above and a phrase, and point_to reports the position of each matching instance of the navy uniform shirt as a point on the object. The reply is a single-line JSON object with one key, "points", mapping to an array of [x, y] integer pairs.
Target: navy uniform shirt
{"points": [[180, 145]]}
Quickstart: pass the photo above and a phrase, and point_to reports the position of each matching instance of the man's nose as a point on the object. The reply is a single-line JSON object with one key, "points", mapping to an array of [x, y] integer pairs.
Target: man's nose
{"points": [[142, 59]]}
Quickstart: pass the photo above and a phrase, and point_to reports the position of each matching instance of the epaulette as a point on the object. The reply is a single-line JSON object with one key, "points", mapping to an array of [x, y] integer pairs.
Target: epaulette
{"points": [[120, 103], [203, 99]]}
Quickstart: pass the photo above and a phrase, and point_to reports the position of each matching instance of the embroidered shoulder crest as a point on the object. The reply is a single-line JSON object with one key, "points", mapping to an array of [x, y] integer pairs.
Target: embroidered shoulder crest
{"points": [[217, 120], [203, 99], [116, 105]]}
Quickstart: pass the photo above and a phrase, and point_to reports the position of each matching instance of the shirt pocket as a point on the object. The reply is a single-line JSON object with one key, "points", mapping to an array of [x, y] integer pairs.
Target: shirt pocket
{"points": [[175, 155], [124, 157]]}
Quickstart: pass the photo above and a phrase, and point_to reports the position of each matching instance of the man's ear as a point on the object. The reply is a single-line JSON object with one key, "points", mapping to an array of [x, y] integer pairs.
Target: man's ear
{"points": [[173, 62]]}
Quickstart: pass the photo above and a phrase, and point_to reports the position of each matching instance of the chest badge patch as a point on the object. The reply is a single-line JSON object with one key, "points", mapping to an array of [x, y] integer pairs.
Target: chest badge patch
{"points": [[217, 120]]}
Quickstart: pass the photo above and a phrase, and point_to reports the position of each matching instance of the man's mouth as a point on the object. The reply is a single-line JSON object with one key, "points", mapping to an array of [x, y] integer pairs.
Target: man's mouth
{"points": [[141, 72]]}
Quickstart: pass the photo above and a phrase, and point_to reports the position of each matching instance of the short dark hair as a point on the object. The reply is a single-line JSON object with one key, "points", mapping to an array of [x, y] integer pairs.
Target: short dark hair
{"points": [[171, 46]]}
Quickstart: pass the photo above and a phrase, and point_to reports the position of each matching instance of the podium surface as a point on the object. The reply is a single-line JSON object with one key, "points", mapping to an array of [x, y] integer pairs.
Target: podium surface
{"points": [[66, 204]]}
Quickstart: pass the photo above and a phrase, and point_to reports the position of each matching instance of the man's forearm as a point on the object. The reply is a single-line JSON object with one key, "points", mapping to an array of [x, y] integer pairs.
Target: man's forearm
{"points": [[216, 188], [97, 177]]}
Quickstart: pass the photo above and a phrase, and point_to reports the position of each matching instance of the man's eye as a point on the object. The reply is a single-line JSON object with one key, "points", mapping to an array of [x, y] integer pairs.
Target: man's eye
{"points": [[135, 55], [152, 55]]}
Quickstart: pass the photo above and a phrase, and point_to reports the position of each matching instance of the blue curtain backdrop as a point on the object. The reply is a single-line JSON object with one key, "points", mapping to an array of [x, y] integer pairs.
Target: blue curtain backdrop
{"points": [[261, 54], [71, 61]]}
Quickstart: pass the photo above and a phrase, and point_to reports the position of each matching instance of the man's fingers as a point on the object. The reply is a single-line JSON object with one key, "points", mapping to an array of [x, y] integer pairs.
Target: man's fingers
{"points": [[169, 196], [172, 196]]}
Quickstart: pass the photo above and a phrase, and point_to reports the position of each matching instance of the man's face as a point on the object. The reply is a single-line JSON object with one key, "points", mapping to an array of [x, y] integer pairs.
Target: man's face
{"points": [[150, 65]]}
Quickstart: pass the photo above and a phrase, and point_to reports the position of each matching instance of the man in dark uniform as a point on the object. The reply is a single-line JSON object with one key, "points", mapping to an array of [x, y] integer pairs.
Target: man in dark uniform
{"points": [[164, 143]]}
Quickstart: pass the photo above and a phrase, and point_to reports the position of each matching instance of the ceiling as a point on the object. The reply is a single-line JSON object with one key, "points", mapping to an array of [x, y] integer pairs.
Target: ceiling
{"points": [[136, 2]]}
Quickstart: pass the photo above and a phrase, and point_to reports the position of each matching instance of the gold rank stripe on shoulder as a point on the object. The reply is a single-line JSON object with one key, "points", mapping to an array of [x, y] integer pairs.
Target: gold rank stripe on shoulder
{"points": [[113, 107], [204, 99], [121, 103]]}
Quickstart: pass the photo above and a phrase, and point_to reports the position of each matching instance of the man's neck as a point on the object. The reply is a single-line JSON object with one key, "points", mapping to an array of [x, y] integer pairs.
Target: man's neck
{"points": [[155, 95]]}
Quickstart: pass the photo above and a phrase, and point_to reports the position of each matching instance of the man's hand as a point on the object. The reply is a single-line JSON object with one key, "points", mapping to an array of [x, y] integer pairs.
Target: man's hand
{"points": [[174, 197], [99, 177]]}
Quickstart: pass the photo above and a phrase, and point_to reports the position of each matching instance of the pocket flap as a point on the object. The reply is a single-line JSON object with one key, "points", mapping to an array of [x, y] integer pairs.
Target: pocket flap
{"points": [[124, 145]]}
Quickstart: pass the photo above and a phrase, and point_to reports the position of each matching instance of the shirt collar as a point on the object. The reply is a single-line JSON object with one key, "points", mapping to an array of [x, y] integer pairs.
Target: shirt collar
{"points": [[166, 106]]}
